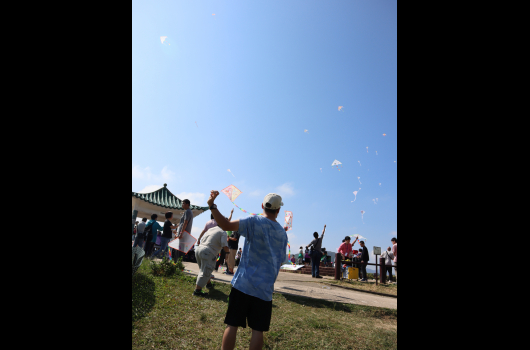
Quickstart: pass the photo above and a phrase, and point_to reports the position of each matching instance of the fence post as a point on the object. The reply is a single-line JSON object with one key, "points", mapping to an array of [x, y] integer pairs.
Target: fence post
{"points": [[338, 260], [382, 270]]}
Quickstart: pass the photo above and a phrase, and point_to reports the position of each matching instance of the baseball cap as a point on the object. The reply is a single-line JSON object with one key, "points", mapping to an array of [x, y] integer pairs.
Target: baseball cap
{"points": [[272, 201]]}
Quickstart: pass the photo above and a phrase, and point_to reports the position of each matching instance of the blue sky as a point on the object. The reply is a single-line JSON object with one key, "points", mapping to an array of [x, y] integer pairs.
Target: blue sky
{"points": [[237, 90]]}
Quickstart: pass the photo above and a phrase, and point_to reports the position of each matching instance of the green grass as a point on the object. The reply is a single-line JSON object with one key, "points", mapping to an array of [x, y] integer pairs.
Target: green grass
{"points": [[369, 286], [165, 315]]}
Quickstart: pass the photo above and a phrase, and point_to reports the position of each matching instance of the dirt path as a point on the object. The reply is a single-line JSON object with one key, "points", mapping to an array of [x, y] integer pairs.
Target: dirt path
{"points": [[304, 285]]}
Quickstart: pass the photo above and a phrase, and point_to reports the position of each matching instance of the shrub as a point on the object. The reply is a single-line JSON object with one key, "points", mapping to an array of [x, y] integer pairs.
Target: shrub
{"points": [[166, 267]]}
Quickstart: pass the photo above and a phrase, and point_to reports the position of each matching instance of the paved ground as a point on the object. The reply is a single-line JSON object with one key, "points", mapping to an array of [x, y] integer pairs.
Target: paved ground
{"points": [[304, 285]]}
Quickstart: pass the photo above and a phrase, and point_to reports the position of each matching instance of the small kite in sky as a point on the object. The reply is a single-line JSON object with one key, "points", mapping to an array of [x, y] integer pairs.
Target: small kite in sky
{"points": [[355, 193], [289, 220], [232, 192], [375, 152], [213, 14], [395, 161], [359, 178], [375, 200], [162, 38], [306, 131], [231, 173], [196, 124], [379, 184], [359, 237], [340, 107], [359, 162], [384, 134], [336, 163], [366, 149], [362, 214], [320, 169]]}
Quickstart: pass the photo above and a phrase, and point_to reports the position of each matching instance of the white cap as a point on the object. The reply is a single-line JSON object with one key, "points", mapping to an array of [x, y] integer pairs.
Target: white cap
{"points": [[272, 201]]}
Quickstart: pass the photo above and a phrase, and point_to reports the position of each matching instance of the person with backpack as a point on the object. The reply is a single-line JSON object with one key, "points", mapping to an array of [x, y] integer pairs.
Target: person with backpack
{"points": [[140, 237], [150, 234]]}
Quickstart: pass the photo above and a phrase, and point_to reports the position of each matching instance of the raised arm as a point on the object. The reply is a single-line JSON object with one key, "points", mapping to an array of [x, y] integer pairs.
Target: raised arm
{"points": [[323, 231], [231, 212], [224, 224]]}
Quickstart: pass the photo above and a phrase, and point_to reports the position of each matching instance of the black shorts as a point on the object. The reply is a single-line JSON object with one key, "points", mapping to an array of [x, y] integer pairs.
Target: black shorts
{"points": [[242, 306]]}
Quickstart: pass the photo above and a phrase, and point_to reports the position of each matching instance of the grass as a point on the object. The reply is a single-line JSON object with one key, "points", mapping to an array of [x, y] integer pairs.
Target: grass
{"points": [[165, 315], [369, 286]]}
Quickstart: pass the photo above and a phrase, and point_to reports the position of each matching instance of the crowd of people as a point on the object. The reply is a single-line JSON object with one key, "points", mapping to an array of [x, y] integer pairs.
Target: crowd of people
{"points": [[250, 298]]}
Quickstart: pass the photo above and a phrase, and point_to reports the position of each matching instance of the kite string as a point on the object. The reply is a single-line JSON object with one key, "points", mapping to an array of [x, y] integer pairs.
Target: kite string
{"points": [[243, 210]]}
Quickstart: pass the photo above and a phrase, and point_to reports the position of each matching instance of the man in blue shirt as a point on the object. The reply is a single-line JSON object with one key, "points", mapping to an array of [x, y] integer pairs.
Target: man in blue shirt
{"points": [[253, 282]]}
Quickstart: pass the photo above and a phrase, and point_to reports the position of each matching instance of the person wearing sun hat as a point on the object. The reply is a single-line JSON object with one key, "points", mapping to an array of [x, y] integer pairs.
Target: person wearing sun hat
{"points": [[253, 283]]}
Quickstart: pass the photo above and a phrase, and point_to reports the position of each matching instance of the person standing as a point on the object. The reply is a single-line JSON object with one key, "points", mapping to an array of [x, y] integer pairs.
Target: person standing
{"points": [[388, 256], [238, 257], [394, 251], [233, 242], [316, 244], [253, 283], [166, 236], [206, 253], [301, 256], [307, 256], [139, 241], [152, 227], [365, 257]]}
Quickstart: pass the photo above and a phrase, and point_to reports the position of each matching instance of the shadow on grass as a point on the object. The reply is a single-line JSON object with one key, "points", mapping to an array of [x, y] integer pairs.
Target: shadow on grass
{"points": [[370, 311], [143, 295]]}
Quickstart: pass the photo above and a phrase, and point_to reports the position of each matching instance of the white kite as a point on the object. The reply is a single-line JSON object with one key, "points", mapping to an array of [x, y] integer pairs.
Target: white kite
{"points": [[375, 200], [359, 162], [231, 173], [320, 169], [162, 38], [375, 152], [289, 220], [358, 238], [366, 149], [379, 184], [362, 213], [359, 178], [336, 163]]}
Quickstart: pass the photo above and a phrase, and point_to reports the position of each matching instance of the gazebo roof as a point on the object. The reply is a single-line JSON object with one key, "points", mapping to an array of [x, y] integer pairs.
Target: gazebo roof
{"points": [[161, 201], [164, 198]]}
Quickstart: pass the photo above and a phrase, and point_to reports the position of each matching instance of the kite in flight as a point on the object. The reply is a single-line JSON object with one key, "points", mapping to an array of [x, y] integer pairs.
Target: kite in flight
{"points": [[320, 169], [366, 149], [340, 107], [362, 213], [375, 152], [213, 14], [196, 124], [355, 193], [384, 134], [162, 38], [358, 237], [306, 131], [289, 220], [379, 184], [359, 162], [232, 175], [232, 192], [336, 163], [375, 200], [395, 161], [359, 178]]}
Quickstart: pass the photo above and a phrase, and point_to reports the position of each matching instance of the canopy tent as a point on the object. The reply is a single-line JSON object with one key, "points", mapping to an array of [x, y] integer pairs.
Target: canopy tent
{"points": [[159, 202]]}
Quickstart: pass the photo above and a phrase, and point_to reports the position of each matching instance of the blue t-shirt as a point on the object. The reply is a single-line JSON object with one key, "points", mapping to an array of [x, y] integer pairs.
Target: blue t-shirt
{"points": [[263, 254]]}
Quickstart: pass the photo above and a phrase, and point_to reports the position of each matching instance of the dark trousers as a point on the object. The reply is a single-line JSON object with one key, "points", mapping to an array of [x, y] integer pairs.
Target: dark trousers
{"points": [[362, 271], [221, 260], [388, 268], [315, 263], [149, 248]]}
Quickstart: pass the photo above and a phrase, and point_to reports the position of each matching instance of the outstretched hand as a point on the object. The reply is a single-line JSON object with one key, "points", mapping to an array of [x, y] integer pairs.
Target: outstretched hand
{"points": [[213, 195]]}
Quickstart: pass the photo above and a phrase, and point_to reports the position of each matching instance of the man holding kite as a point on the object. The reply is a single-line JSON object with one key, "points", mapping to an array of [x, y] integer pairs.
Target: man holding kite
{"points": [[253, 282]]}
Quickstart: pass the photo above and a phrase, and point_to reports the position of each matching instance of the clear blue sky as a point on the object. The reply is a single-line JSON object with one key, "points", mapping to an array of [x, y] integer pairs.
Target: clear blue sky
{"points": [[237, 90]]}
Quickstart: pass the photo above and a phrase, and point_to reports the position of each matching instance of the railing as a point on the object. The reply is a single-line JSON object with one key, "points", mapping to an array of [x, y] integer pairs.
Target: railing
{"points": [[382, 265]]}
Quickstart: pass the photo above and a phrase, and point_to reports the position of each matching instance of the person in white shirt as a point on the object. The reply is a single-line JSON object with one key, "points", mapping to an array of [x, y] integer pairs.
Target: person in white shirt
{"points": [[139, 241], [388, 256]]}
